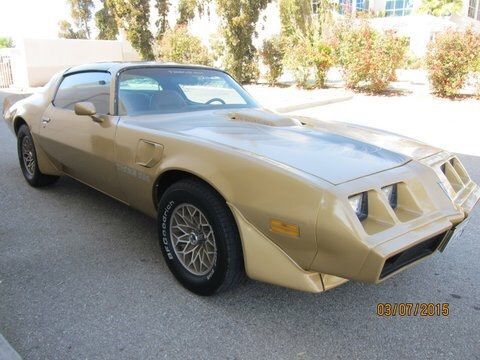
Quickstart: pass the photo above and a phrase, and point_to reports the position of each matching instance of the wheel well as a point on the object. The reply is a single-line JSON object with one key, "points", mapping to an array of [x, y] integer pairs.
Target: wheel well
{"points": [[17, 123], [168, 178]]}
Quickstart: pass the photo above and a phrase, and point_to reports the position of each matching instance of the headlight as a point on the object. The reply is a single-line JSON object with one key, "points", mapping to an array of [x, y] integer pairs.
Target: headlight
{"points": [[359, 204], [390, 192]]}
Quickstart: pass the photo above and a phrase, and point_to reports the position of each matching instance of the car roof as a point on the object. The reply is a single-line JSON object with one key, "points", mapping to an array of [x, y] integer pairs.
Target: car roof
{"points": [[115, 66]]}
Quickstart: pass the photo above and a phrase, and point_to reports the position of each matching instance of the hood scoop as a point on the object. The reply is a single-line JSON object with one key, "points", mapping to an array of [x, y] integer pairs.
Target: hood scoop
{"points": [[263, 117]]}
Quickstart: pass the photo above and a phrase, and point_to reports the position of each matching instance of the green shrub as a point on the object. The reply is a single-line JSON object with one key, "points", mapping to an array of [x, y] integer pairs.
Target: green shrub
{"points": [[473, 40], [6, 42], [178, 45], [369, 58], [448, 62], [414, 62], [272, 55], [308, 56], [298, 60], [321, 54]]}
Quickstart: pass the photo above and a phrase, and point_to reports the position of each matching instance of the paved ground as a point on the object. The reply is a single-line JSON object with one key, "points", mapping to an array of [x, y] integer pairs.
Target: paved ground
{"points": [[82, 276], [449, 124]]}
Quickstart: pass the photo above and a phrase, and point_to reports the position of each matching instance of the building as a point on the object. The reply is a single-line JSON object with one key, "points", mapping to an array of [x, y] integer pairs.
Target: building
{"points": [[403, 17]]}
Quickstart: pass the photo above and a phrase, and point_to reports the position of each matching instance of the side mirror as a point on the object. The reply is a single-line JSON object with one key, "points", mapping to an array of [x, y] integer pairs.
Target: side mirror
{"points": [[87, 109]]}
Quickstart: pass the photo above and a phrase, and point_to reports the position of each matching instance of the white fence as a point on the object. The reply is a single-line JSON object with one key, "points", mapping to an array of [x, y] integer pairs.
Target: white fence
{"points": [[6, 78]]}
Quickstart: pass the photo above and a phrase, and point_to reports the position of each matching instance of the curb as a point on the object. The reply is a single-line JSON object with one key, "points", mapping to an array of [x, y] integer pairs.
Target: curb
{"points": [[291, 108], [7, 352]]}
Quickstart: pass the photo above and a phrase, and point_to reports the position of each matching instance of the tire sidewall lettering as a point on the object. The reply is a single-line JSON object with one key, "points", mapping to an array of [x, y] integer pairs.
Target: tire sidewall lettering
{"points": [[165, 234]]}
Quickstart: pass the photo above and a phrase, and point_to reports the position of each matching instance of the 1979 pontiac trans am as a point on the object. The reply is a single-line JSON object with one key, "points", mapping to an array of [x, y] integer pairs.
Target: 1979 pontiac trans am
{"points": [[237, 189]]}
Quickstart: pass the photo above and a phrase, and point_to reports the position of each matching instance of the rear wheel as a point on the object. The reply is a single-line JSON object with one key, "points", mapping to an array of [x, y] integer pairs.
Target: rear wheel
{"points": [[199, 238], [28, 160]]}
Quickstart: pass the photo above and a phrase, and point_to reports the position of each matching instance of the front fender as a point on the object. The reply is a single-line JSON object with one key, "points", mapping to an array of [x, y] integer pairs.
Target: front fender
{"points": [[260, 190]]}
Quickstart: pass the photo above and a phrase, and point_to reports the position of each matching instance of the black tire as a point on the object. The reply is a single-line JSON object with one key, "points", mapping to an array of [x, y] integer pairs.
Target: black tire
{"points": [[31, 173], [227, 269]]}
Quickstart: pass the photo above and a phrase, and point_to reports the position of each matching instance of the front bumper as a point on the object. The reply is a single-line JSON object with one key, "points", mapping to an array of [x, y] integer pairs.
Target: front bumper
{"points": [[435, 196], [393, 256]]}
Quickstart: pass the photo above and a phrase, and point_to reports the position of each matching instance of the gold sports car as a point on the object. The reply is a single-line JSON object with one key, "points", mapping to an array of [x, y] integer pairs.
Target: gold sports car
{"points": [[237, 189]]}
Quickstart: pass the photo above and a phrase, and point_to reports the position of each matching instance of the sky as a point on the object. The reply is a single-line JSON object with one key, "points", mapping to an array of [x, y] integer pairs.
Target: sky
{"points": [[32, 18]]}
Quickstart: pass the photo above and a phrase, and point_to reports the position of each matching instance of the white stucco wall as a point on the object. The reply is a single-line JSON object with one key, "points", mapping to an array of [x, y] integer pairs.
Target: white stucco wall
{"points": [[36, 60]]}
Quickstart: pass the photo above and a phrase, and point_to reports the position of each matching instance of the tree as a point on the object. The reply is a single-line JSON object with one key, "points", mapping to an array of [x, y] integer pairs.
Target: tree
{"points": [[186, 10], [295, 16], [134, 16], [162, 22], [178, 45], [239, 19], [440, 7], [66, 31], [106, 23], [81, 13], [6, 42], [307, 38]]}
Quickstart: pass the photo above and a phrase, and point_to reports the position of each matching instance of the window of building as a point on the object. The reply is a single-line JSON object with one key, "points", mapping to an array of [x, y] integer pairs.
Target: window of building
{"points": [[93, 87], [362, 5], [398, 7], [345, 6], [474, 9]]}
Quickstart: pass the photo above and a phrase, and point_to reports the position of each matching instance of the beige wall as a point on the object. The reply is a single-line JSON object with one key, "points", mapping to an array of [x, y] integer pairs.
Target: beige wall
{"points": [[36, 60]]}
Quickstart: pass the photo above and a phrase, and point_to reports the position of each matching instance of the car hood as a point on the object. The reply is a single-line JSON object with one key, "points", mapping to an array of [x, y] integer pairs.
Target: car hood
{"points": [[334, 152]]}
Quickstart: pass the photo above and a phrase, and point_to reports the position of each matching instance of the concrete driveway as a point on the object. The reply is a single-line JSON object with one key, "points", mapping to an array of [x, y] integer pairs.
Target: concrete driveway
{"points": [[82, 276], [449, 124]]}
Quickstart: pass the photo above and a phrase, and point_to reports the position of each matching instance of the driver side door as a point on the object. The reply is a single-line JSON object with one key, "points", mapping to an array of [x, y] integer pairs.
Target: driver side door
{"points": [[85, 148]]}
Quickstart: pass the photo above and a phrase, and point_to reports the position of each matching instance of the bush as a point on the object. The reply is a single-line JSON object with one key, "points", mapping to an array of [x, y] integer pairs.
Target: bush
{"points": [[305, 56], [414, 62], [449, 60], [369, 58], [322, 59], [298, 60], [6, 42], [178, 45], [475, 61], [451, 57], [272, 55]]}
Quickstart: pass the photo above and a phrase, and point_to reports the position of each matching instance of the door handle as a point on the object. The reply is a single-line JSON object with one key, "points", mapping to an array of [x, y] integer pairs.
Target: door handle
{"points": [[46, 120]]}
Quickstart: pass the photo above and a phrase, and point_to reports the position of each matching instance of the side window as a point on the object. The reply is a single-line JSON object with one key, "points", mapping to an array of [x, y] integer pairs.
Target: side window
{"points": [[88, 86]]}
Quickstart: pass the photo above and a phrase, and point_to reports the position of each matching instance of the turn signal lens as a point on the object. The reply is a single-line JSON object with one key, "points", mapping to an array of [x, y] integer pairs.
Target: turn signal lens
{"points": [[390, 192], [280, 227], [359, 204]]}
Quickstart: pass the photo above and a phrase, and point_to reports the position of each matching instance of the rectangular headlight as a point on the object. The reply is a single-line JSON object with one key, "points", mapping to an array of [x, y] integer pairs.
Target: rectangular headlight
{"points": [[359, 204], [390, 192]]}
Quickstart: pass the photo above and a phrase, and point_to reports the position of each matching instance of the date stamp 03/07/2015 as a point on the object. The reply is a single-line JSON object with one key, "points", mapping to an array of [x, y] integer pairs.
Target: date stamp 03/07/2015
{"points": [[413, 309]]}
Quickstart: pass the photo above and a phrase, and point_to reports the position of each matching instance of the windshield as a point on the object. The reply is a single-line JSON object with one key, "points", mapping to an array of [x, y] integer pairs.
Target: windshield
{"points": [[159, 90]]}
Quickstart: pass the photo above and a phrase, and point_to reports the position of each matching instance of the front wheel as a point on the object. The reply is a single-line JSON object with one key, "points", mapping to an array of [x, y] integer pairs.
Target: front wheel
{"points": [[199, 238], [28, 160]]}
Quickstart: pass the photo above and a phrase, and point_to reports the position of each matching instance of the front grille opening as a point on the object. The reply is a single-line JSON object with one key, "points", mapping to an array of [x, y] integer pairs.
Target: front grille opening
{"points": [[410, 255]]}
